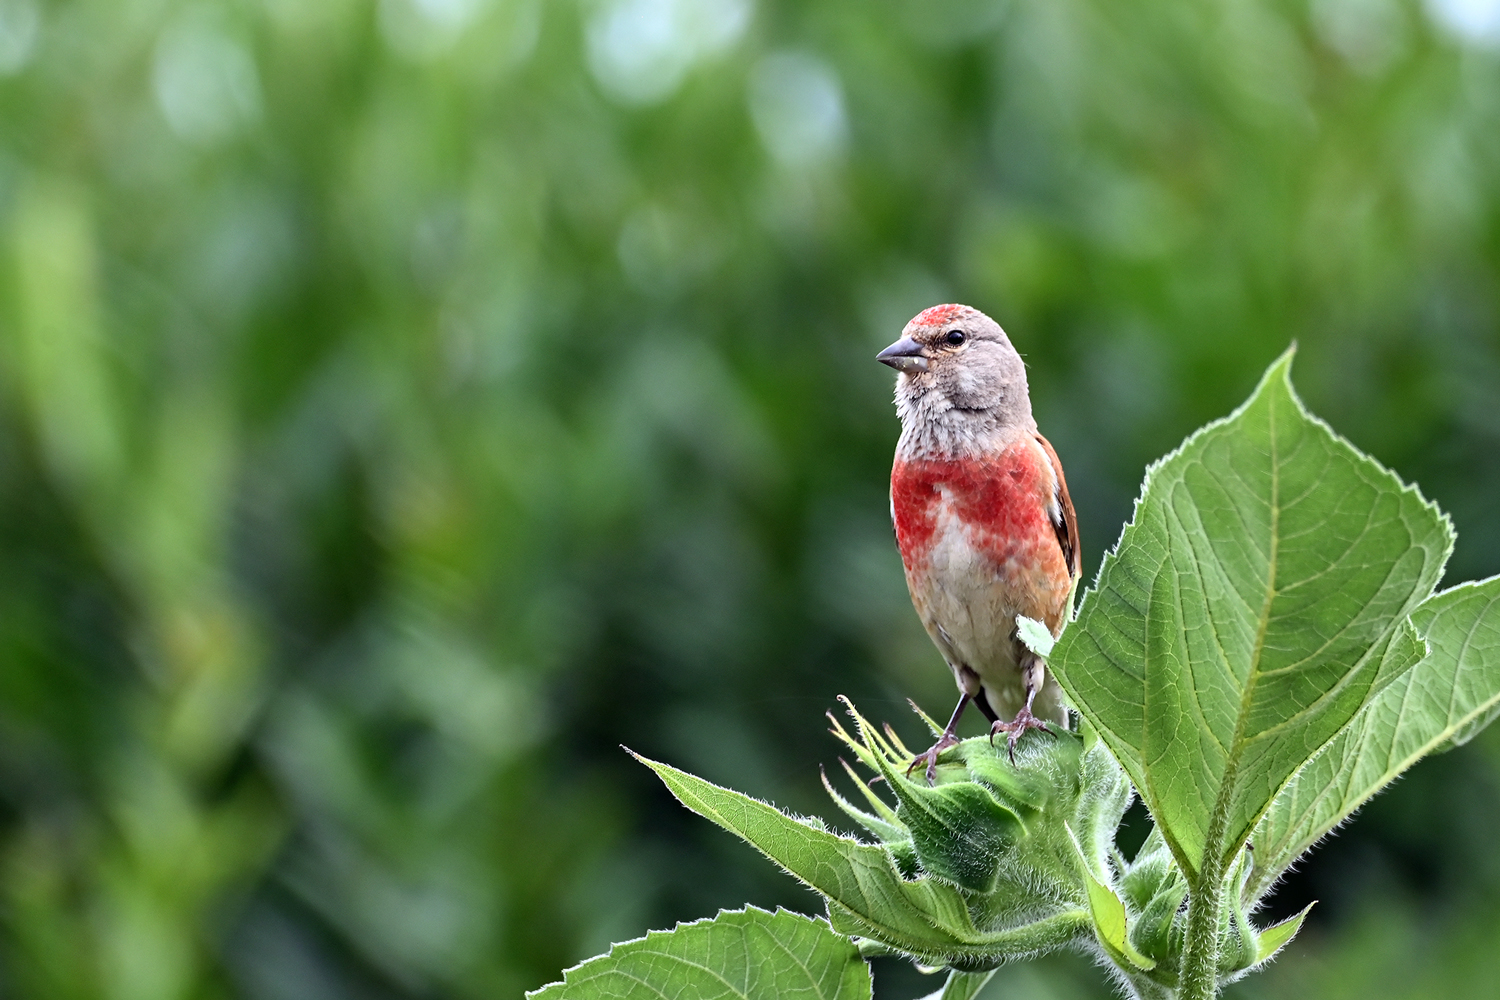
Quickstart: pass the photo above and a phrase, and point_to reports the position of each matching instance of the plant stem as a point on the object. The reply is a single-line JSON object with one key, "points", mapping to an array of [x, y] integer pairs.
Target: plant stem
{"points": [[1198, 979]]}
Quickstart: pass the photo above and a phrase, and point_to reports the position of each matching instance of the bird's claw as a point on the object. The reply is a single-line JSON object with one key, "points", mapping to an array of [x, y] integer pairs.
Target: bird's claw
{"points": [[1023, 721], [930, 755]]}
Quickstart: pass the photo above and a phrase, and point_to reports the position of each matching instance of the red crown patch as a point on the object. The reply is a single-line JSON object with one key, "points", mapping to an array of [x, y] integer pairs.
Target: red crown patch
{"points": [[938, 315]]}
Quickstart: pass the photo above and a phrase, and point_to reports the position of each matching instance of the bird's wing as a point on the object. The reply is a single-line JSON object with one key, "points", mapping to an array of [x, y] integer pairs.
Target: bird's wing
{"points": [[1066, 521]]}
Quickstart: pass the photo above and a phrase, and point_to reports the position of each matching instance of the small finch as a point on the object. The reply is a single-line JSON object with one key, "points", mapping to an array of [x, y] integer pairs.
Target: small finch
{"points": [[982, 515]]}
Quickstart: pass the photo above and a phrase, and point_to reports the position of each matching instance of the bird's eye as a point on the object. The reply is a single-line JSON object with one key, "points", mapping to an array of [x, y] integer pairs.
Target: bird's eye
{"points": [[955, 337]]}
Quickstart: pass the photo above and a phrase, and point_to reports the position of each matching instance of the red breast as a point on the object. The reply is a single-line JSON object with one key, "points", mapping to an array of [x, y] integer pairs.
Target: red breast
{"points": [[1006, 503]]}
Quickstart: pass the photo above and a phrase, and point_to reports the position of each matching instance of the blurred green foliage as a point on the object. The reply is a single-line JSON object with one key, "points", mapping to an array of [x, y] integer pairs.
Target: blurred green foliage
{"points": [[403, 403]]}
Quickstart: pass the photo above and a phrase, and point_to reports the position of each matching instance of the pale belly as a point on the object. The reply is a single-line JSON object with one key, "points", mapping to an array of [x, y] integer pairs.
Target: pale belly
{"points": [[968, 598]]}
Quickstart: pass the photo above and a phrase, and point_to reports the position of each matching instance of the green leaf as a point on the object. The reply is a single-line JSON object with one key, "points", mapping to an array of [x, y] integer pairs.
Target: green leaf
{"points": [[1455, 689], [867, 895], [1108, 913], [962, 986], [1035, 635], [1255, 603], [1110, 925], [1276, 937], [747, 954]]}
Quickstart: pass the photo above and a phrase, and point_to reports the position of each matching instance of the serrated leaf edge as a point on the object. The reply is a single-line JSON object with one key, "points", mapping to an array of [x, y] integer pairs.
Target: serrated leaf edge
{"points": [[747, 909], [1281, 367], [1390, 776]]}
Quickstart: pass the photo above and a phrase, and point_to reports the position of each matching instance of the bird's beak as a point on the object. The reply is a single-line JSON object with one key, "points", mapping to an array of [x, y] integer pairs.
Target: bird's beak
{"points": [[905, 355]]}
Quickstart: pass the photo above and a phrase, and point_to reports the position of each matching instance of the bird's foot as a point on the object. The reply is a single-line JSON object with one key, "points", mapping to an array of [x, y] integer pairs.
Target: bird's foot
{"points": [[1023, 721], [930, 756]]}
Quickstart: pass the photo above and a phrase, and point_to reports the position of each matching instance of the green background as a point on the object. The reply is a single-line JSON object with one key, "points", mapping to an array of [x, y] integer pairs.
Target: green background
{"points": [[405, 403]]}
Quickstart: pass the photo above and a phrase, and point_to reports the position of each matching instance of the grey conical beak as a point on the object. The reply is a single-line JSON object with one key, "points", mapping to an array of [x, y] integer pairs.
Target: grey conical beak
{"points": [[905, 355]]}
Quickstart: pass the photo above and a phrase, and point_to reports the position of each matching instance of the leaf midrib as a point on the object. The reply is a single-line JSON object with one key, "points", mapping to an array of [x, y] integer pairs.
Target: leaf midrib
{"points": [[1219, 819]]}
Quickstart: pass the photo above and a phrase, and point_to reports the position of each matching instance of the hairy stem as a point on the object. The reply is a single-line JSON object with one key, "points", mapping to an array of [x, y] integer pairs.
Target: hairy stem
{"points": [[1199, 976]]}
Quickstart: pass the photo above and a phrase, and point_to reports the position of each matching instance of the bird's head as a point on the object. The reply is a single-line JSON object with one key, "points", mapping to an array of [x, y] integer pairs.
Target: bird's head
{"points": [[955, 358]]}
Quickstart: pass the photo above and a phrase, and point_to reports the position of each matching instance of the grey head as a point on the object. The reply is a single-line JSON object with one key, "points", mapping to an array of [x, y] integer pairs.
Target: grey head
{"points": [[959, 375]]}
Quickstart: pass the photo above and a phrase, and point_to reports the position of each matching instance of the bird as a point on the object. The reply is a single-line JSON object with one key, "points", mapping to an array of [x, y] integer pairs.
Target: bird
{"points": [[982, 517]]}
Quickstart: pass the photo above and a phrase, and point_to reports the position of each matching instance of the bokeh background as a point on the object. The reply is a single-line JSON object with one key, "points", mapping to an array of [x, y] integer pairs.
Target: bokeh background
{"points": [[405, 403]]}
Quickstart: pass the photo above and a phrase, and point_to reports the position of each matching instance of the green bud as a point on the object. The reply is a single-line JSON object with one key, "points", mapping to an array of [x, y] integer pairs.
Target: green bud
{"points": [[959, 831], [1155, 890], [1027, 843]]}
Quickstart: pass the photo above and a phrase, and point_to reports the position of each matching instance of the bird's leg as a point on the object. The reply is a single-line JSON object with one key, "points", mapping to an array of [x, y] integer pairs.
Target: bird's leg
{"points": [[1033, 674], [948, 739]]}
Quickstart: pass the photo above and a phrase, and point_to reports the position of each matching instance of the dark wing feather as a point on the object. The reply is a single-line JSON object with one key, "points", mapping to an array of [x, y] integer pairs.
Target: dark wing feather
{"points": [[1067, 527]]}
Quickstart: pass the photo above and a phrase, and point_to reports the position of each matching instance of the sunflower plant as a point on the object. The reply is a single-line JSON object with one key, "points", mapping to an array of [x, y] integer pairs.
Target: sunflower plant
{"points": [[1263, 650]]}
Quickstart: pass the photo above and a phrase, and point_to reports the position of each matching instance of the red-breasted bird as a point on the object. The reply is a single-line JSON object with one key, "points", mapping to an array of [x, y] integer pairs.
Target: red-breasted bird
{"points": [[983, 519]]}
